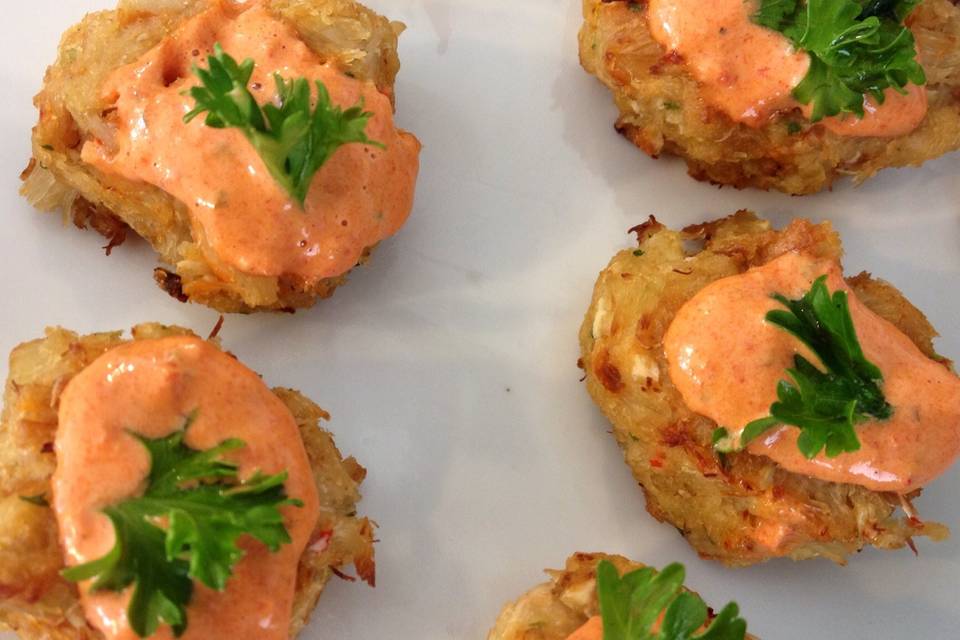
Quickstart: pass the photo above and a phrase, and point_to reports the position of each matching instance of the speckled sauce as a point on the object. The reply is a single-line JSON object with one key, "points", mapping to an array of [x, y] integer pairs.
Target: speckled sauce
{"points": [[726, 361], [150, 387], [748, 71], [360, 196]]}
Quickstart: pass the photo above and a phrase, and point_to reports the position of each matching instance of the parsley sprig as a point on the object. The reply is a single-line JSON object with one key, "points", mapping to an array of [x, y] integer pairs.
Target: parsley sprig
{"points": [[630, 605], [205, 509], [39, 500], [857, 48], [825, 405], [293, 141]]}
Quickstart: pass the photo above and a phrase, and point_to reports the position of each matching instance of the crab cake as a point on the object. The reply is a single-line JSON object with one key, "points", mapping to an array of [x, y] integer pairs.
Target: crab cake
{"points": [[731, 97], [681, 356], [51, 429], [564, 608], [156, 117]]}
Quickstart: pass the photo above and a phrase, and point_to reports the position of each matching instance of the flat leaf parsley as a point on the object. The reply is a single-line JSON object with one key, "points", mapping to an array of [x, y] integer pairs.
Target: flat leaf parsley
{"points": [[825, 405], [630, 605], [205, 509], [293, 141], [857, 48]]}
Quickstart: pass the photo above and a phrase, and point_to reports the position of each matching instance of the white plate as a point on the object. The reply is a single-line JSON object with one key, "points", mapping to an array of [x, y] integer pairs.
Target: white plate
{"points": [[449, 362]]}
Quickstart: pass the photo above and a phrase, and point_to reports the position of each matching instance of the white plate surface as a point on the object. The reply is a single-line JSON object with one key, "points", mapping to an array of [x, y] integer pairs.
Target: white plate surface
{"points": [[449, 362]]}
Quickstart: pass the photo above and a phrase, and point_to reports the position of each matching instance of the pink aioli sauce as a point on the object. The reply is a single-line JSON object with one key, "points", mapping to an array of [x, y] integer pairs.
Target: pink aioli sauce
{"points": [[359, 197], [748, 71], [897, 116], [151, 386], [726, 361]]}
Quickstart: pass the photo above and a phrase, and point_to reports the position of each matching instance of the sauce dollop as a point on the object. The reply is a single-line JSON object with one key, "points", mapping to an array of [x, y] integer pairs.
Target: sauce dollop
{"points": [[360, 196], [726, 361], [150, 387], [748, 71]]}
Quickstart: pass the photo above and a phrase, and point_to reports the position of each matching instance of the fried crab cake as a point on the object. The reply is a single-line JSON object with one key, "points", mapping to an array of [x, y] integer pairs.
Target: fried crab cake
{"points": [[766, 500], [35, 600], [705, 83], [564, 608], [232, 208]]}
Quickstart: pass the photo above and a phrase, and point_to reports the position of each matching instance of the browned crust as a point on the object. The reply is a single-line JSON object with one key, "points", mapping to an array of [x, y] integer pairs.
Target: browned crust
{"points": [[736, 508], [35, 601], [72, 110], [662, 111]]}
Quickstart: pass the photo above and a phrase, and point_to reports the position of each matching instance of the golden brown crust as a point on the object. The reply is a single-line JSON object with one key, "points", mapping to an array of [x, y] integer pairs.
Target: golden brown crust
{"points": [[738, 508], [555, 609], [72, 110], [38, 604], [662, 111]]}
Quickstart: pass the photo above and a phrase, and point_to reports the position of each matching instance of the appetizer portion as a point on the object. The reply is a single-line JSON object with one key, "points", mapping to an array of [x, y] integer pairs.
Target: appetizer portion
{"points": [[780, 94], [251, 144], [603, 597], [767, 405], [156, 488]]}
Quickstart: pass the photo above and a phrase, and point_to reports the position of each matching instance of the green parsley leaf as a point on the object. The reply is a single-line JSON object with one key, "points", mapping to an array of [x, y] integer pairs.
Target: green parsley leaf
{"points": [[206, 509], [631, 604], [857, 48], [722, 441], [757, 427], [825, 405], [293, 141], [39, 500], [775, 14]]}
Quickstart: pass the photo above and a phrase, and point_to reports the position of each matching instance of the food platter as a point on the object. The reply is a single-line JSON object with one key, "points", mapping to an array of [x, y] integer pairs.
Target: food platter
{"points": [[449, 362]]}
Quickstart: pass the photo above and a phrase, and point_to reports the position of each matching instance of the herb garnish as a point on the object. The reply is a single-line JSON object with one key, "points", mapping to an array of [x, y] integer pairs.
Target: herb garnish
{"points": [[630, 605], [292, 141], [857, 48], [206, 509], [39, 500], [825, 405]]}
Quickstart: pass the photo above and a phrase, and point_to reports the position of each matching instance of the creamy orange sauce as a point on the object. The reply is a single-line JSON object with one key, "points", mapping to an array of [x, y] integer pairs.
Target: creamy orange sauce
{"points": [[150, 387], [591, 630], [726, 361], [748, 71], [897, 116], [359, 197]]}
